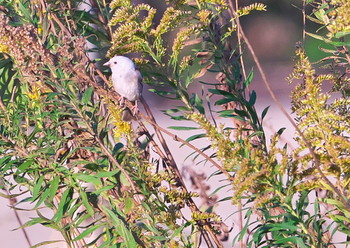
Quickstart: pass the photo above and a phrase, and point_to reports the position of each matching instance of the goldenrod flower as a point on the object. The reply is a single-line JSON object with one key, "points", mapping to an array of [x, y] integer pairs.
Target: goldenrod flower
{"points": [[121, 127], [34, 94]]}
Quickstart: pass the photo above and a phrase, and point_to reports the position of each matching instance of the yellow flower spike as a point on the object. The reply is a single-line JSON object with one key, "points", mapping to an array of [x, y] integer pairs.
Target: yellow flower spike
{"points": [[3, 49], [121, 127], [34, 94]]}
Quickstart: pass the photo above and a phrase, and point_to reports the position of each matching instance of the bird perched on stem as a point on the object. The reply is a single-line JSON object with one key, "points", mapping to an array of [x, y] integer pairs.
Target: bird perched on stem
{"points": [[127, 80]]}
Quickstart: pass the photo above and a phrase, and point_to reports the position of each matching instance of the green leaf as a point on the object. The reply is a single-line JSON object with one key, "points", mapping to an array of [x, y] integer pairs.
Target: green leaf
{"points": [[222, 92], [334, 43], [25, 12], [249, 79], [63, 205], [241, 113], [88, 178], [105, 188], [4, 160], [295, 240], [86, 98], [229, 114], [25, 165], [341, 34], [47, 243], [218, 189], [88, 231], [122, 230], [42, 197], [281, 130], [225, 101], [37, 187], [263, 114], [252, 98], [86, 203], [245, 228], [199, 104], [196, 136], [107, 173], [284, 226], [128, 204], [183, 128], [54, 187], [32, 222]]}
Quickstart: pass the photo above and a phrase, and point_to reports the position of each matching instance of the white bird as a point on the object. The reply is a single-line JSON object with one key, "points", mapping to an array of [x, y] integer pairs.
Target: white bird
{"points": [[127, 80]]}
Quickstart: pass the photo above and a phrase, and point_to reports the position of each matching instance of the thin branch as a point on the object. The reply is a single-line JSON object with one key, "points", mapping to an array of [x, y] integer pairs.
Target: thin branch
{"points": [[304, 20], [239, 38]]}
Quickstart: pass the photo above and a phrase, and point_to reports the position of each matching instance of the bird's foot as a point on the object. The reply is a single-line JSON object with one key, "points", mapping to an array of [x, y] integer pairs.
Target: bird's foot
{"points": [[122, 102], [135, 109]]}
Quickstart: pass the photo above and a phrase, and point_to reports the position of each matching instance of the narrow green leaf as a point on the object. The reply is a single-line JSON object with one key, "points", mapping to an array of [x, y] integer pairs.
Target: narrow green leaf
{"points": [[25, 165], [122, 230], [222, 92], [241, 113], [128, 204], [281, 130], [218, 189], [105, 188], [63, 205], [295, 240], [225, 101], [284, 226], [199, 104], [177, 232], [341, 34], [37, 187], [54, 187], [88, 178], [245, 228], [47, 243], [252, 98], [183, 128], [263, 114], [249, 79], [42, 197], [25, 11], [107, 173], [86, 203], [88, 231], [196, 136], [4, 160]]}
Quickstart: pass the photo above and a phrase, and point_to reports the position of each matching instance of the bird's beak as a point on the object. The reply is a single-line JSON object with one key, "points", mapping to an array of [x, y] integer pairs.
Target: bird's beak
{"points": [[107, 64]]}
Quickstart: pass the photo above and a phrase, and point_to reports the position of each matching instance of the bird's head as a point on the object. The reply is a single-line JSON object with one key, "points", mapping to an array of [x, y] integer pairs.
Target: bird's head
{"points": [[120, 63]]}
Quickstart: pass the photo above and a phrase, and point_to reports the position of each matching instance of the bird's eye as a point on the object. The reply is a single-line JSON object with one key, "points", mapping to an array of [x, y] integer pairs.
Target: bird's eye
{"points": [[115, 62]]}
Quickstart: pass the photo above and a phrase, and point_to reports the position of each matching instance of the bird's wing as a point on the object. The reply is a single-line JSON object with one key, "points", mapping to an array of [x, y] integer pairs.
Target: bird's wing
{"points": [[134, 80], [139, 81]]}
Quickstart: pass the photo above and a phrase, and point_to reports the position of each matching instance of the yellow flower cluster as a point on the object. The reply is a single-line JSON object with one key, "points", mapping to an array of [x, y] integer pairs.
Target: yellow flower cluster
{"points": [[170, 19], [339, 17], [121, 127], [182, 36], [3, 48], [324, 123], [34, 94], [247, 9]]}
